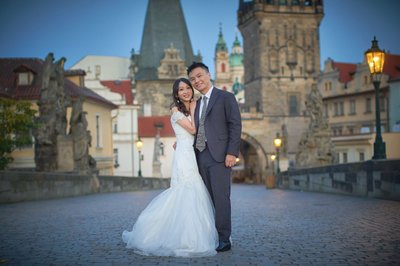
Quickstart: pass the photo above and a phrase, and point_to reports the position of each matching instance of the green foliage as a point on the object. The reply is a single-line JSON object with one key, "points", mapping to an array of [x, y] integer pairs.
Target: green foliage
{"points": [[16, 124]]}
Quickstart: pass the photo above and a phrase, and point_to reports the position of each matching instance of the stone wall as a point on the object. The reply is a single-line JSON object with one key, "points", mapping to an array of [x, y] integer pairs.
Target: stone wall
{"points": [[374, 178], [18, 186]]}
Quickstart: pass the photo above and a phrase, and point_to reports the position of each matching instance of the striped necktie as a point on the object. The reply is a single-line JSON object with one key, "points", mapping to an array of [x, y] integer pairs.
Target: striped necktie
{"points": [[201, 135]]}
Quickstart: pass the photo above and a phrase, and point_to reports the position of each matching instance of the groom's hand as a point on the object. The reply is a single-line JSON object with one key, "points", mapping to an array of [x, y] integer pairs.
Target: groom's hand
{"points": [[230, 160]]}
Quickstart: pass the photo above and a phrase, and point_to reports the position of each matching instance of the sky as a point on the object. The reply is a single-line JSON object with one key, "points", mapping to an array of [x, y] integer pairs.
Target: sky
{"points": [[77, 28]]}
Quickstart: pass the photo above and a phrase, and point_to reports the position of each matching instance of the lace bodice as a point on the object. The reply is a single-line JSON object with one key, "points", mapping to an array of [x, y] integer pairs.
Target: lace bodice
{"points": [[181, 134]]}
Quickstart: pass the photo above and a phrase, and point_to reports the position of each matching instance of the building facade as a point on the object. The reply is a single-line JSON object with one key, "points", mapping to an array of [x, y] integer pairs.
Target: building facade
{"points": [[349, 104]]}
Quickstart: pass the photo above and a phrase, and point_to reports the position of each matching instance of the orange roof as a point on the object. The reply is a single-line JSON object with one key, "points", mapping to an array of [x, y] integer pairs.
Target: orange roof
{"points": [[122, 87], [147, 126], [392, 66], [346, 71]]}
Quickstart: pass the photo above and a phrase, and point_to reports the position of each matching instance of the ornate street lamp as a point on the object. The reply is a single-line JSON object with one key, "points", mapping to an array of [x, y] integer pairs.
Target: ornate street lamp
{"points": [[277, 144], [376, 58], [273, 157], [139, 145]]}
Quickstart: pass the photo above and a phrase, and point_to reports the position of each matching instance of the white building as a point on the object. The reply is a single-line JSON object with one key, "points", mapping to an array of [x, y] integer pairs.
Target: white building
{"points": [[109, 77]]}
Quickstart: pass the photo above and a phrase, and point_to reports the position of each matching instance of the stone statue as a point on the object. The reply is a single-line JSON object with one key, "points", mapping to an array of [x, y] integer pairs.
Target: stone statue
{"points": [[81, 137], [55, 150], [315, 147], [52, 114]]}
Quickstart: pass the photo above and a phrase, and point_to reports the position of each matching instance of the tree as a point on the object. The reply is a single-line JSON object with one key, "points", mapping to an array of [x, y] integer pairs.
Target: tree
{"points": [[16, 124]]}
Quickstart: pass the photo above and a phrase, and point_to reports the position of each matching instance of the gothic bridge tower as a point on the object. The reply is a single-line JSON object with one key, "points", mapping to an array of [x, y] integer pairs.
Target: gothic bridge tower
{"points": [[165, 52], [281, 50]]}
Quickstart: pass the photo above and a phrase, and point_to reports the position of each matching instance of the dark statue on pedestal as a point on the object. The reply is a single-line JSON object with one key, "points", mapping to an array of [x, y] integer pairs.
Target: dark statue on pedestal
{"points": [[315, 147], [52, 119], [55, 150]]}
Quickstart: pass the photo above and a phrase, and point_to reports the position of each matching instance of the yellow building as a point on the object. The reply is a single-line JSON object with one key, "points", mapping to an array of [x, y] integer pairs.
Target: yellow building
{"points": [[20, 80], [349, 104]]}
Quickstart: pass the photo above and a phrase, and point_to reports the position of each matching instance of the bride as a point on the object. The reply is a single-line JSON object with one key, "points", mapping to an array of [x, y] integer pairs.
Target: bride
{"points": [[179, 221]]}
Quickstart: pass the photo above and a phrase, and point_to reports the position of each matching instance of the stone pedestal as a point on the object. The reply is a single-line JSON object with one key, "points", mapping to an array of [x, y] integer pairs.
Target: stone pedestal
{"points": [[65, 154]]}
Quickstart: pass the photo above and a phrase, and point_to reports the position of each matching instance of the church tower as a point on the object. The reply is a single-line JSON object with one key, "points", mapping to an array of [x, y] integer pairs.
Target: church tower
{"points": [[222, 70], [229, 68], [165, 52], [282, 62]]}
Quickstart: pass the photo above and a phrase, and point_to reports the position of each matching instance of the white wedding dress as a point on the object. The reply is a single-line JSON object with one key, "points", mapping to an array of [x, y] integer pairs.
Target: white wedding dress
{"points": [[180, 220]]}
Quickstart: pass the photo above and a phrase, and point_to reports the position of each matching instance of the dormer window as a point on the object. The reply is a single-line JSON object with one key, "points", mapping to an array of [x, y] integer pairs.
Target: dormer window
{"points": [[25, 75], [25, 78]]}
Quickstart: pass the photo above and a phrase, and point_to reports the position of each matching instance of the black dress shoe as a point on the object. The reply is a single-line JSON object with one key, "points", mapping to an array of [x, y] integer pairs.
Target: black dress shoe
{"points": [[223, 246]]}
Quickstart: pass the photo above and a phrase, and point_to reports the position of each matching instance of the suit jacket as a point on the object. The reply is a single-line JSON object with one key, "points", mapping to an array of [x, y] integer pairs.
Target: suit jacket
{"points": [[223, 125]]}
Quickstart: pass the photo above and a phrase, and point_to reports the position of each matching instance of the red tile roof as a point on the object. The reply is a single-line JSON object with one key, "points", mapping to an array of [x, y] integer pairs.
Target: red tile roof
{"points": [[391, 66], [147, 126], [346, 71], [122, 87], [10, 88]]}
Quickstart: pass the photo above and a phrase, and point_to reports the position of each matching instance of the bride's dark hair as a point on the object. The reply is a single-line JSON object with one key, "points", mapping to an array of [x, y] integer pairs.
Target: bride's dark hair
{"points": [[175, 98]]}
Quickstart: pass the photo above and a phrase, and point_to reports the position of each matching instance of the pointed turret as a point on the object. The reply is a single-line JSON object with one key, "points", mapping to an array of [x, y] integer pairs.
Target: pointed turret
{"points": [[164, 25], [221, 44]]}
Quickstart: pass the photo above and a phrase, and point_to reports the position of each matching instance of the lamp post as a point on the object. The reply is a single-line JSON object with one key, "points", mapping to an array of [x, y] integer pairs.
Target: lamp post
{"points": [[139, 145], [277, 144], [273, 157], [376, 58]]}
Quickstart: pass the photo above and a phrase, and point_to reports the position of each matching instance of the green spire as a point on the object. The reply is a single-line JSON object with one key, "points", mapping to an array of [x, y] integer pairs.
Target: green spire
{"points": [[221, 44]]}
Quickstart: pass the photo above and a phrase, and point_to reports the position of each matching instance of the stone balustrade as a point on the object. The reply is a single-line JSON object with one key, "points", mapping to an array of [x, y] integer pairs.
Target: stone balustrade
{"points": [[373, 178]]}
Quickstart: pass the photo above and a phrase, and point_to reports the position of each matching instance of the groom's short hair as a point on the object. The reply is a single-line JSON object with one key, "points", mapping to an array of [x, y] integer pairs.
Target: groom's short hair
{"points": [[196, 65]]}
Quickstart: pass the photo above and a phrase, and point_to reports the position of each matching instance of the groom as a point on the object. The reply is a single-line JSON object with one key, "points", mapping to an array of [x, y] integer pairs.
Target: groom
{"points": [[217, 144]]}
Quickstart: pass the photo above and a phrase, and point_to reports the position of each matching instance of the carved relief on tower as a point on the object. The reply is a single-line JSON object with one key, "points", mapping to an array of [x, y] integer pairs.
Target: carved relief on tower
{"points": [[310, 68], [291, 54], [171, 66], [273, 61]]}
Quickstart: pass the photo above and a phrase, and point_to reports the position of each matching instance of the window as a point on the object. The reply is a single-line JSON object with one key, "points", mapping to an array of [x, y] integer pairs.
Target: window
{"points": [[344, 157], [350, 130], [382, 105], [336, 109], [368, 106], [115, 128], [307, 3], [326, 113], [352, 107], [223, 68], [98, 131], [282, 70], [362, 156], [282, 2], [341, 108], [23, 78], [293, 105], [365, 129]]}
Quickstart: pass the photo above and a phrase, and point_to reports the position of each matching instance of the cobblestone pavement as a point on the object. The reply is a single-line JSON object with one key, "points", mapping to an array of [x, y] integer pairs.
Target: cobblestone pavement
{"points": [[270, 227]]}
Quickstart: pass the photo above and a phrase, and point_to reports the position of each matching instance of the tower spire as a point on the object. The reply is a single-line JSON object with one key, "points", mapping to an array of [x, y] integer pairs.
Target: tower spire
{"points": [[164, 24]]}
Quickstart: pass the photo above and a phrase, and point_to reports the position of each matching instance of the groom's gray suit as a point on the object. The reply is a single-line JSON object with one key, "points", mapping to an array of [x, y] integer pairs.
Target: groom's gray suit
{"points": [[222, 130]]}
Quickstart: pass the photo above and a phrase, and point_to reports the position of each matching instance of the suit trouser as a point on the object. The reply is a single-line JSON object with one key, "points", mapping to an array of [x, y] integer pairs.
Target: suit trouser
{"points": [[217, 179]]}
